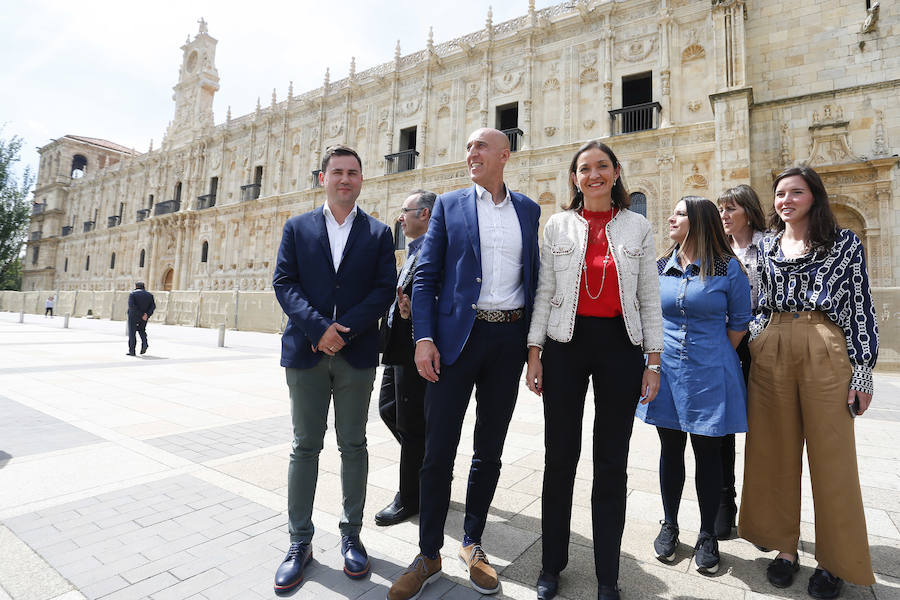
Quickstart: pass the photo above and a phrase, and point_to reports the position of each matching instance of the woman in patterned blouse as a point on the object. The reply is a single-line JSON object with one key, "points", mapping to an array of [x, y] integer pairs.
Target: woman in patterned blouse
{"points": [[814, 344]]}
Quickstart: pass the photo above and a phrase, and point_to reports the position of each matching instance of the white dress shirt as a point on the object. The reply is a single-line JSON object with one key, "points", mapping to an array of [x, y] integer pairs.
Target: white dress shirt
{"points": [[337, 234], [502, 287]]}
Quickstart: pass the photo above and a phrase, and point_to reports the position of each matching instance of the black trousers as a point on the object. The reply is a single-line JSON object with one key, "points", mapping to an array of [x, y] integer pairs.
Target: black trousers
{"points": [[491, 362], [136, 325], [600, 349], [401, 404], [728, 443], [707, 475]]}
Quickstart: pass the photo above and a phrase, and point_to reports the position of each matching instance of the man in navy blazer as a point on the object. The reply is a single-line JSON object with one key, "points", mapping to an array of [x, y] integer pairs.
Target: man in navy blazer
{"points": [[472, 298], [334, 278]]}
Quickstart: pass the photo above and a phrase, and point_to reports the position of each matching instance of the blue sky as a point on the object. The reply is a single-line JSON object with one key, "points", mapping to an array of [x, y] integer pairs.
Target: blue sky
{"points": [[106, 68]]}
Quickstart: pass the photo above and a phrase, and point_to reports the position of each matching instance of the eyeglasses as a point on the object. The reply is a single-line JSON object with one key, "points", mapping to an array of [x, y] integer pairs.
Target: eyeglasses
{"points": [[403, 210]]}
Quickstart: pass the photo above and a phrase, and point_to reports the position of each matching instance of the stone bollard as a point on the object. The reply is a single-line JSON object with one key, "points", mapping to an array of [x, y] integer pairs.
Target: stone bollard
{"points": [[66, 321], [222, 335], [22, 316]]}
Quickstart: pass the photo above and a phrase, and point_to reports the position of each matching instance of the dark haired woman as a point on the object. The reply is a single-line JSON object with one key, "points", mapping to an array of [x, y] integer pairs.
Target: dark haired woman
{"points": [[744, 224], [596, 313], [705, 298], [814, 345]]}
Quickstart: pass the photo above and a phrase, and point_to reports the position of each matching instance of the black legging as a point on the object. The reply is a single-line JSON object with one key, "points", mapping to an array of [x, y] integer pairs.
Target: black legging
{"points": [[708, 475], [728, 443]]}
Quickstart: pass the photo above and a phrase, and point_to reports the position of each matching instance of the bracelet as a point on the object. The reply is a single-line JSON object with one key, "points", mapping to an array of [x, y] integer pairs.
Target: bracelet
{"points": [[655, 368]]}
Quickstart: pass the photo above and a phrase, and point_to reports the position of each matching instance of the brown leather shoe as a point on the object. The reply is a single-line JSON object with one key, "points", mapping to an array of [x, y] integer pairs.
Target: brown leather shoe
{"points": [[412, 582], [481, 573]]}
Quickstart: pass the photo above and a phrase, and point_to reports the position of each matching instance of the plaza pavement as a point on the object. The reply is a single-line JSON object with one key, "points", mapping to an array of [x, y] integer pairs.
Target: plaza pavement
{"points": [[164, 477]]}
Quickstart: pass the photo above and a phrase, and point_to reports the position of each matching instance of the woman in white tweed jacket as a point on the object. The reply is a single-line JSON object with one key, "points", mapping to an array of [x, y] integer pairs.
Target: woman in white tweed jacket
{"points": [[596, 313]]}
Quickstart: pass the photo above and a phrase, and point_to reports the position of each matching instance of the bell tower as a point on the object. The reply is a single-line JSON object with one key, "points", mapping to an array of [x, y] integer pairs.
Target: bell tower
{"points": [[198, 81]]}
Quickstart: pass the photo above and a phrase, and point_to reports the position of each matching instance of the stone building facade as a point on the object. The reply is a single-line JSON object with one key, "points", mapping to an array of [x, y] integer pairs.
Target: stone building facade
{"points": [[694, 96]]}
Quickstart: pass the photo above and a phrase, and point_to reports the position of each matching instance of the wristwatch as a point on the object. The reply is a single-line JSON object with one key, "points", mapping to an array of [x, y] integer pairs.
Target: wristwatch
{"points": [[655, 368]]}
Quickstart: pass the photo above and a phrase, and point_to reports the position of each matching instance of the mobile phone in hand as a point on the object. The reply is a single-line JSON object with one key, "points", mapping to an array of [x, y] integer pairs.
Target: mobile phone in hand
{"points": [[854, 408]]}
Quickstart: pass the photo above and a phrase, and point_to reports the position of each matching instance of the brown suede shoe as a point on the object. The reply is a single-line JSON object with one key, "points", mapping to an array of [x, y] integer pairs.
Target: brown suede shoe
{"points": [[481, 573], [412, 582]]}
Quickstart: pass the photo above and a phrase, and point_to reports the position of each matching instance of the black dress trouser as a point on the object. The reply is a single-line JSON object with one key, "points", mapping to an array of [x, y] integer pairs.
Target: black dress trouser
{"points": [[600, 349], [401, 404]]}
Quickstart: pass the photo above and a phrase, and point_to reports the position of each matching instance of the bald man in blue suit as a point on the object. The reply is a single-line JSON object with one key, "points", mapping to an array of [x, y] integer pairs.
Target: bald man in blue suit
{"points": [[471, 306]]}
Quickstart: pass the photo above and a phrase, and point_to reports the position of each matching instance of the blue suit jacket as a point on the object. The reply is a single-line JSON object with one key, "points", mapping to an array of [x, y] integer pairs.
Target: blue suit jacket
{"points": [[309, 290], [446, 285]]}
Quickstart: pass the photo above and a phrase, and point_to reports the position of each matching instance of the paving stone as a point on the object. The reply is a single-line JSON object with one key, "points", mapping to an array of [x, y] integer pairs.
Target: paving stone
{"points": [[26, 431]]}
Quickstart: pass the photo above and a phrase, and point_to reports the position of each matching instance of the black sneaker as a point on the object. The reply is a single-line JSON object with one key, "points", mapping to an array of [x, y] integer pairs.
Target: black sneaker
{"points": [[780, 571], [665, 543], [706, 554], [823, 584]]}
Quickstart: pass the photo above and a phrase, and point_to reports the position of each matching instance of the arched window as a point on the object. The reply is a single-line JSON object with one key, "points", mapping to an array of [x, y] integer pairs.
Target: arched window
{"points": [[178, 192], [204, 252], [638, 203], [112, 260], [87, 263], [141, 263], [66, 265], [79, 166]]}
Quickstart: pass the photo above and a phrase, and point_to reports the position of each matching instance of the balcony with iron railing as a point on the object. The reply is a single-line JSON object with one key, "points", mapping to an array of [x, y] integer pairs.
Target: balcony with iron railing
{"points": [[250, 191], [88, 226], [169, 206], [67, 230], [36, 235], [315, 178], [113, 221], [514, 136], [405, 160], [206, 201], [38, 207], [142, 214], [639, 117]]}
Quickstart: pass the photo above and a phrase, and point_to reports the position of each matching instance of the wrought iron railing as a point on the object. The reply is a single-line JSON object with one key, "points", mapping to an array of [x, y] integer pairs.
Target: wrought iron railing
{"points": [[169, 206], [142, 214], [113, 221], [315, 178], [38, 208], [514, 136], [250, 191], [206, 201], [398, 162], [639, 117], [67, 230], [88, 226]]}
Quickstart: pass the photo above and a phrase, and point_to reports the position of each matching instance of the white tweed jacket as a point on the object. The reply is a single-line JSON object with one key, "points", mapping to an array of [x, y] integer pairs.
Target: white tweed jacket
{"points": [[562, 259]]}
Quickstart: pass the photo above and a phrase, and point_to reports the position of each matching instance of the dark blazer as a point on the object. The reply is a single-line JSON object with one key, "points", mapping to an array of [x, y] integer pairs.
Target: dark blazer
{"points": [[309, 290], [140, 302], [448, 279], [399, 348]]}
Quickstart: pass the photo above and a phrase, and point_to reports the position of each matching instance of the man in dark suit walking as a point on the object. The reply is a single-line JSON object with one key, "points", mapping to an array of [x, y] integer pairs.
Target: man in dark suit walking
{"points": [[472, 298], [402, 400], [334, 278], [140, 308]]}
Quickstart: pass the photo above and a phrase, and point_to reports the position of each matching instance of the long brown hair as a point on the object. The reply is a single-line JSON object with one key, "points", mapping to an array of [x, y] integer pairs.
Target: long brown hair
{"points": [[619, 197], [705, 235], [822, 224]]}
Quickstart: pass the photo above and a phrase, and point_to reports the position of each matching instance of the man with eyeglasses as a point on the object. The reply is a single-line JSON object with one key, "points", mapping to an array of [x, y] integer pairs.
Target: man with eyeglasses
{"points": [[402, 399]]}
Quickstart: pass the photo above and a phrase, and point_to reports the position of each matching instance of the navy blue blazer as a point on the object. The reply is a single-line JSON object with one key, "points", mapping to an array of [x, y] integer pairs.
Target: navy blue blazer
{"points": [[309, 290], [140, 302], [447, 282]]}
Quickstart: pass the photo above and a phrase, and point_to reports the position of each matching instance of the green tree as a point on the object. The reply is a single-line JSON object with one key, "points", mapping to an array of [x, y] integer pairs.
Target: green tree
{"points": [[14, 213]]}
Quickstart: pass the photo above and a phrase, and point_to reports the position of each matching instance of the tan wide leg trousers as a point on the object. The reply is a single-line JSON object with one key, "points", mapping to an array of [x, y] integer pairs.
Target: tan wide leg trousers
{"points": [[799, 381]]}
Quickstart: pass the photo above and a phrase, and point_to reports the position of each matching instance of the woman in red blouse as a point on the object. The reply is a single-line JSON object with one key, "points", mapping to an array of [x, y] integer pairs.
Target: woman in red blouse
{"points": [[596, 313]]}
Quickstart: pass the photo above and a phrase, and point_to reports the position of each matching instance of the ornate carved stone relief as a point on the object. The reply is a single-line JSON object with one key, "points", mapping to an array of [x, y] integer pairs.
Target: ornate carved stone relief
{"points": [[589, 75], [636, 50], [408, 108], [694, 105], [695, 179], [550, 131], [551, 84], [693, 49]]}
